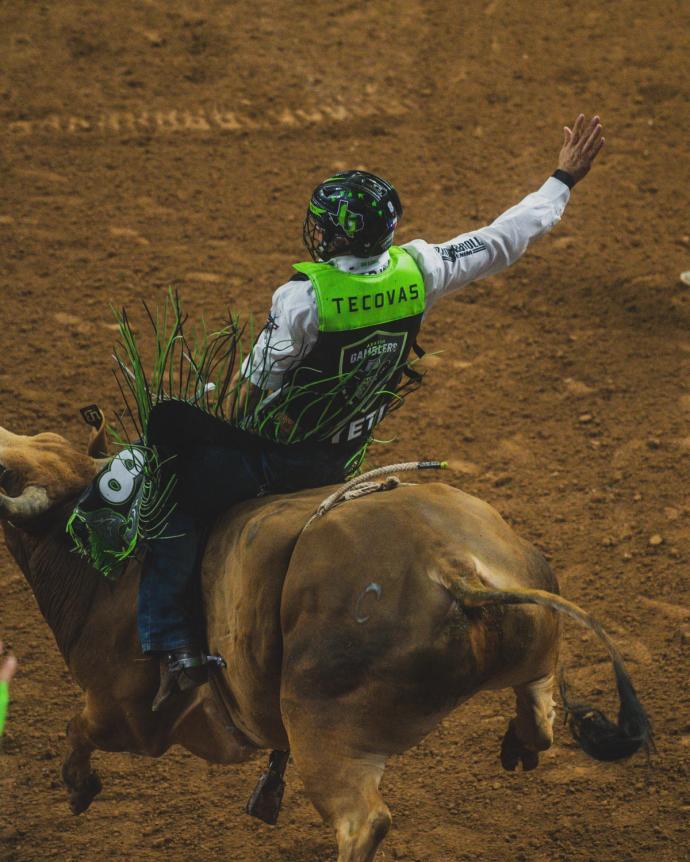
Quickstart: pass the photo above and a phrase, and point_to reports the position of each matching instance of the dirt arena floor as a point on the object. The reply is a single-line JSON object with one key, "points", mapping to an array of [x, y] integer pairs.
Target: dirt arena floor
{"points": [[156, 144]]}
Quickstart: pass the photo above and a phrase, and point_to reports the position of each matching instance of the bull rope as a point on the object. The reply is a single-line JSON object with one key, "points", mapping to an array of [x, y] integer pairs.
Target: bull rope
{"points": [[362, 485]]}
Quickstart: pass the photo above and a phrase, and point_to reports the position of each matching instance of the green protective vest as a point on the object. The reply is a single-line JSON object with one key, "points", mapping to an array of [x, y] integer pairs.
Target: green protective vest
{"points": [[367, 325], [347, 301]]}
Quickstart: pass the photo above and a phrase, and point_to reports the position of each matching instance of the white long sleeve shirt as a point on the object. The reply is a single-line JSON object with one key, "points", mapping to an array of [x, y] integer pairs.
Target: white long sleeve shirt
{"points": [[293, 323]]}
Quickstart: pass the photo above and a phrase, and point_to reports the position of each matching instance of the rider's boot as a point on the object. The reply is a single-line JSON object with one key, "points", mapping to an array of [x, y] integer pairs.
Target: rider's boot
{"points": [[181, 670]]}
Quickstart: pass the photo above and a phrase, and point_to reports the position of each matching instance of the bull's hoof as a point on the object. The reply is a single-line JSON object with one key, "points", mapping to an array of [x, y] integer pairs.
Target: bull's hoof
{"points": [[80, 798], [513, 751], [265, 801]]}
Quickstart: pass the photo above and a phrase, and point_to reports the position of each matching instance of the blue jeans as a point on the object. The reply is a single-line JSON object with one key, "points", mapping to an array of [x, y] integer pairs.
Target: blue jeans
{"points": [[166, 592], [168, 613]]}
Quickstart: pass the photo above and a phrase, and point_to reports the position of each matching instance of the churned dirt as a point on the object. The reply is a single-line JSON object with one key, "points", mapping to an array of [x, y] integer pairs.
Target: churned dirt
{"points": [[165, 144]]}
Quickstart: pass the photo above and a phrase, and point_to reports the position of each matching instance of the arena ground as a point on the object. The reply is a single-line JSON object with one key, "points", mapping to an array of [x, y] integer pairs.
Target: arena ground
{"points": [[165, 144]]}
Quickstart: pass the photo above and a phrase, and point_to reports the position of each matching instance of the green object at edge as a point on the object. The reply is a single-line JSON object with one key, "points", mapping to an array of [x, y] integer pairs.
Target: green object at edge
{"points": [[4, 701]]}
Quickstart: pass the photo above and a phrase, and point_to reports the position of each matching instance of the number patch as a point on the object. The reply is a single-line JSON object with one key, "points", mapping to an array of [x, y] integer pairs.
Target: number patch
{"points": [[117, 483]]}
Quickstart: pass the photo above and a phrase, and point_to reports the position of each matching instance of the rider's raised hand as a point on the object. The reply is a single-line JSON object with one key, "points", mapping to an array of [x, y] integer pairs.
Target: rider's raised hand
{"points": [[581, 145]]}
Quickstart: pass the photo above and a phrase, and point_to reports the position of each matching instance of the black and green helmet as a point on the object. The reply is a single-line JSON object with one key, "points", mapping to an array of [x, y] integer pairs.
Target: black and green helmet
{"points": [[351, 213]]}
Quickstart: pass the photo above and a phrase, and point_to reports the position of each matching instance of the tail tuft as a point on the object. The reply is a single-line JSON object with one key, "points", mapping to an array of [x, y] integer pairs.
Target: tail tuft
{"points": [[594, 733], [597, 735]]}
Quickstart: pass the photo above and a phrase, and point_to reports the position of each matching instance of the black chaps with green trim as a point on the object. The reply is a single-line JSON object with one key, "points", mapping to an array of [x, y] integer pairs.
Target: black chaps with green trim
{"points": [[216, 464]]}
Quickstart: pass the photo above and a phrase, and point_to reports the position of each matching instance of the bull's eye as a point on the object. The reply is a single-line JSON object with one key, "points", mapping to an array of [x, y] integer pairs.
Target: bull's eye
{"points": [[114, 485]]}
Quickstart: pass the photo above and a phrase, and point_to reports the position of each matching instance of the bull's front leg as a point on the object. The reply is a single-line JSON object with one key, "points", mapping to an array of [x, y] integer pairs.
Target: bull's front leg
{"points": [[82, 782]]}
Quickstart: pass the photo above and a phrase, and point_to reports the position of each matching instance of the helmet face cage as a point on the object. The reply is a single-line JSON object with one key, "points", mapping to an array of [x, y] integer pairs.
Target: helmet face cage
{"points": [[351, 213]]}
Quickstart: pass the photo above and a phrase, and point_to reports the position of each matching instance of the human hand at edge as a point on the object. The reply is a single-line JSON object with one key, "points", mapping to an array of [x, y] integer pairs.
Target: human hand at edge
{"points": [[581, 145], [8, 666]]}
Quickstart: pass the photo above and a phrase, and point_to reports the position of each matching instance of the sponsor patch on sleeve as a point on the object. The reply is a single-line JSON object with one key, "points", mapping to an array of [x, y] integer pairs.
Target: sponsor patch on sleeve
{"points": [[454, 250]]}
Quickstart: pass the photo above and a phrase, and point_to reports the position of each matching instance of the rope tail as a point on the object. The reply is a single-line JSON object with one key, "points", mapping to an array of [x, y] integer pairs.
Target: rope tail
{"points": [[593, 731], [342, 492]]}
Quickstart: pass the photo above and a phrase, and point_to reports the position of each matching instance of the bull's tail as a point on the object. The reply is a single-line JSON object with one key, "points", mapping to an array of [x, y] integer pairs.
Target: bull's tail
{"points": [[593, 731]]}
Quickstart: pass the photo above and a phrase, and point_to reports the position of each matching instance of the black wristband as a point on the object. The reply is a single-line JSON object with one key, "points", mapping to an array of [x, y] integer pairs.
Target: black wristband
{"points": [[564, 177]]}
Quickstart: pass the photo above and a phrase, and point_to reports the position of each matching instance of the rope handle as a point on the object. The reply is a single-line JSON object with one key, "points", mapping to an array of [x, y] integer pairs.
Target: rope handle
{"points": [[406, 466]]}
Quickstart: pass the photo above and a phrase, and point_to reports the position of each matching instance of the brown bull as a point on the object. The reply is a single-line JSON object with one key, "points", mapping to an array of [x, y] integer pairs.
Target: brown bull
{"points": [[347, 641]]}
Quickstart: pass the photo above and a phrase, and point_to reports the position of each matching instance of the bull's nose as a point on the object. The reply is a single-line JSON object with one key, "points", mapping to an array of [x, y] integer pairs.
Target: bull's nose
{"points": [[10, 482]]}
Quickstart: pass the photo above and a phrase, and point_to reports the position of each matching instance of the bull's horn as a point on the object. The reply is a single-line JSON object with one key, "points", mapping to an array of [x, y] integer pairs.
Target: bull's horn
{"points": [[33, 501]]}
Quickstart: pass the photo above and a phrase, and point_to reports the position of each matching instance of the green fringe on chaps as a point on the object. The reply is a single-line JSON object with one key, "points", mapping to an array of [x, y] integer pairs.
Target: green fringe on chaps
{"points": [[129, 501]]}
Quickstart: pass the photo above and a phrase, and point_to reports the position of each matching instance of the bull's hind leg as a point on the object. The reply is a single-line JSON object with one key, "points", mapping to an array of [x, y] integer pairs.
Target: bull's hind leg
{"points": [[346, 794], [82, 782], [531, 731], [344, 788]]}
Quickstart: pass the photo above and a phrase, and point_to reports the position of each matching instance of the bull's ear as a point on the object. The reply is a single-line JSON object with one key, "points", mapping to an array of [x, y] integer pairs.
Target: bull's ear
{"points": [[98, 441]]}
